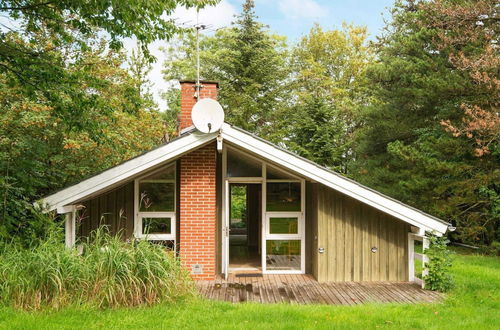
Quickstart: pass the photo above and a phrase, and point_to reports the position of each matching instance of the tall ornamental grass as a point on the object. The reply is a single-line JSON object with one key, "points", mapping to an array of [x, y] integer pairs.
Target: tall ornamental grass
{"points": [[107, 272]]}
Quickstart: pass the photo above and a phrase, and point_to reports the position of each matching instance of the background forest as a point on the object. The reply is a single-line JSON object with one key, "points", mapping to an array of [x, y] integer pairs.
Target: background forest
{"points": [[413, 114]]}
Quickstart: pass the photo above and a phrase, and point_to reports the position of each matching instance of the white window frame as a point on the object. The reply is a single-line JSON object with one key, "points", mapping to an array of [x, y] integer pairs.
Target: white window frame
{"points": [[283, 237], [157, 237], [265, 214], [138, 221], [277, 214]]}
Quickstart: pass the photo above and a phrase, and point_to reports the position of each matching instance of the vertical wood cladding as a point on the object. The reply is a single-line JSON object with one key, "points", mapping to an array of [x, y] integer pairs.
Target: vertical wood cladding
{"points": [[311, 228], [347, 230], [114, 209]]}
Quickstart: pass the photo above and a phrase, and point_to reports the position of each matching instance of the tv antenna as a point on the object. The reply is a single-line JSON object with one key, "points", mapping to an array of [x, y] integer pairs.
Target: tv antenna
{"points": [[207, 114], [198, 27]]}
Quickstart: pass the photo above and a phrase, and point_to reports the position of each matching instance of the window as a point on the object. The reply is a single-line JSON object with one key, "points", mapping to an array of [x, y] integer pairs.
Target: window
{"points": [[273, 173], [284, 225], [280, 225], [155, 198], [156, 226], [241, 166], [157, 192], [283, 196], [283, 255]]}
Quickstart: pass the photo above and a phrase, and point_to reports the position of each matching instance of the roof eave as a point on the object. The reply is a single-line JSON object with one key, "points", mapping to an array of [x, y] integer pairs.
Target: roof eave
{"points": [[333, 180], [120, 173], [170, 151]]}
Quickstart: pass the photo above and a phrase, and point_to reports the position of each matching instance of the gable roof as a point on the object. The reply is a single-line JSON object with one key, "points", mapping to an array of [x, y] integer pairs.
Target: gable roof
{"points": [[117, 175]]}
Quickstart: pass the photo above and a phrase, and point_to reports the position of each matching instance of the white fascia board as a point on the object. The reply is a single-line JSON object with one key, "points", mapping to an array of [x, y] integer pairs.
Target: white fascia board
{"points": [[336, 182], [120, 173]]}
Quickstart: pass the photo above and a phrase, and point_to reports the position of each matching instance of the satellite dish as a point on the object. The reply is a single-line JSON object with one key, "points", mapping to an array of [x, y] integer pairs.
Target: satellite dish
{"points": [[207, 115]]}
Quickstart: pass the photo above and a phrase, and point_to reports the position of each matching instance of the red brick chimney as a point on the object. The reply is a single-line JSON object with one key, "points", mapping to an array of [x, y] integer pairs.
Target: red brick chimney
{"points": [[198, 194], [188, 99]]}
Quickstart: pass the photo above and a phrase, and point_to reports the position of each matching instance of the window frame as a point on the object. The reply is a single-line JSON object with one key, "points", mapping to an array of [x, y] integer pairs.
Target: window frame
{"points": [[285, 181], [140, 215], [277, 214], [264, 229]]}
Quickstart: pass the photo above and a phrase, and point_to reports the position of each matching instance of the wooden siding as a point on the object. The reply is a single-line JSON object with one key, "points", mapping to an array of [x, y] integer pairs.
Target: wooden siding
{"points": [[114, 209], [311, 220], [347, 229]]}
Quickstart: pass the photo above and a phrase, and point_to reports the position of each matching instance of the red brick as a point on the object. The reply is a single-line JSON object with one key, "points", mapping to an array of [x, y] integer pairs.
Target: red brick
{"points": [[198, 211], [208, 90]]}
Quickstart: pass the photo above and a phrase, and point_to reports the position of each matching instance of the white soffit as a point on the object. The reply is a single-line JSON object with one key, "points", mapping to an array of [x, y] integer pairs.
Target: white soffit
{"points": [[120, 173], [332, 180]]}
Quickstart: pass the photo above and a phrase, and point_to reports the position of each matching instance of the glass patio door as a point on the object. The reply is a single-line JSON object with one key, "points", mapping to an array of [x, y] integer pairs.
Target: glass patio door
{"points": [[282, 243], [284, 230]]}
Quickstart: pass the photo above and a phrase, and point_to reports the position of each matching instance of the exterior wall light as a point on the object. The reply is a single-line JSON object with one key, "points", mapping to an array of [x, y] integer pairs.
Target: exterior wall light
{"points": [[374, 249]]}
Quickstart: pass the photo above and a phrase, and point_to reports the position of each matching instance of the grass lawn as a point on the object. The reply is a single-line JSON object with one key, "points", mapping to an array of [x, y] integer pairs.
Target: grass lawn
{"points": [[473, 304]]}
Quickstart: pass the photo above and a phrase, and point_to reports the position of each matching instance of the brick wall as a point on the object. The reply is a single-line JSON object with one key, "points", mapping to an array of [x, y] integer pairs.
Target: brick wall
{"points": [[198, 211], [208, 90]]}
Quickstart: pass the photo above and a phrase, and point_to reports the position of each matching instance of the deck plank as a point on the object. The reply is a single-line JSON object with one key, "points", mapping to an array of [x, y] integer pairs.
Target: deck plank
{"points": [[304, 289]]}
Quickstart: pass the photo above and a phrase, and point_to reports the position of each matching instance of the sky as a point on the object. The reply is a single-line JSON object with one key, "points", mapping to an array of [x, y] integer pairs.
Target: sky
{"points": [[292, 18]]}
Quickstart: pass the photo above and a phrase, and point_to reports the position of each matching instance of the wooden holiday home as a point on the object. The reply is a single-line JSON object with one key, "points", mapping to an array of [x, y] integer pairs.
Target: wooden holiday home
{"points": [[228, 201]]}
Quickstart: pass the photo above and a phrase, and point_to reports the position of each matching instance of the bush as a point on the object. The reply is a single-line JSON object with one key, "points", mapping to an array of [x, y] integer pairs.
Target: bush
{"points": [[108, 273], [439, 264], [493, 249]]}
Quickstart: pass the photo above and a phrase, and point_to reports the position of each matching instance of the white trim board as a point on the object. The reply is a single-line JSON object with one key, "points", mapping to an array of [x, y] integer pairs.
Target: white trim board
{"points": [[120, 173], [261, 148], [332, 180]]}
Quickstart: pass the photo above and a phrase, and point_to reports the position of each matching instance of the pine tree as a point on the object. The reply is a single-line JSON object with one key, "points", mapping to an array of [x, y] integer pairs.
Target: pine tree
{"points": [[404, 150], [246, 60]]}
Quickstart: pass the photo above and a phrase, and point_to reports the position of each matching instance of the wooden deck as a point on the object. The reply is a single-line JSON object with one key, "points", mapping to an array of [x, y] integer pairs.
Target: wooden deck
{"points": [[304, 289]]}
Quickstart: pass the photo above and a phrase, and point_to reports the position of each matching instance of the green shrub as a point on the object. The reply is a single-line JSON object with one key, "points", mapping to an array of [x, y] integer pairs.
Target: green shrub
{"points": [[107, 273], [493, 249], [439, 264]]}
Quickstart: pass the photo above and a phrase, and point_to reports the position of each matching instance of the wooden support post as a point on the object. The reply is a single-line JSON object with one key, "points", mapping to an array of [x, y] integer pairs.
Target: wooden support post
{"points": [[70, 230], [69, 224], [425, 260], [411, 258]]}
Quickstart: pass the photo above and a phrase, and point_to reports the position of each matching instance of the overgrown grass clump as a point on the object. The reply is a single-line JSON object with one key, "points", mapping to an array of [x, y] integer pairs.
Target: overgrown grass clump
{"points": [[107, 272]]}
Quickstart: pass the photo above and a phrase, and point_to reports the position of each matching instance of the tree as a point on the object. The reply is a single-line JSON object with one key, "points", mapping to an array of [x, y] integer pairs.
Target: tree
{"points": [[403, 149], [327, 92], [140, 67], [248, 63], [469, 33], [67, 107], [70, 26], [41, 150], [74, 21], [171, 114]]}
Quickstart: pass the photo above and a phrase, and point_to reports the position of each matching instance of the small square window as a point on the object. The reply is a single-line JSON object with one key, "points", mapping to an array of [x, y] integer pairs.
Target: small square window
{"points": [[155, 226], [282, 225], [283, 196]]}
